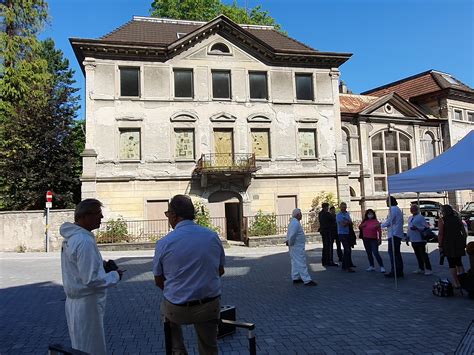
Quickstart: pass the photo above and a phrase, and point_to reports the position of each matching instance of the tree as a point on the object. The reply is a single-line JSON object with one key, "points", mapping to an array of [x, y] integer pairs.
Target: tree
{"points": [[206, 10], [37, 109]]}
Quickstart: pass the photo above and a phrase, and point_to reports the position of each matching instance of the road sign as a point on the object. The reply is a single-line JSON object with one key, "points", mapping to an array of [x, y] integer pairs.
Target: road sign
{"points": [[49, 196], [49, 204]]}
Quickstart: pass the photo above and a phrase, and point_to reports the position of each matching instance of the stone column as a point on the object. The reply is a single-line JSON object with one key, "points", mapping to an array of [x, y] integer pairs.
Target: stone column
{"points": [[89, 155], [342, 174]]}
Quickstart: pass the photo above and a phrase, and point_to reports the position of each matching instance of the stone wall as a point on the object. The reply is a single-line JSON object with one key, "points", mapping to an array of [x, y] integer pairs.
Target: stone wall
{"points": [[280, 239], [25, 230]]}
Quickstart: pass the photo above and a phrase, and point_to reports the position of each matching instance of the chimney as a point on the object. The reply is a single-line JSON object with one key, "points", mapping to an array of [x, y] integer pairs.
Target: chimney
{"points": [[342, 87]]}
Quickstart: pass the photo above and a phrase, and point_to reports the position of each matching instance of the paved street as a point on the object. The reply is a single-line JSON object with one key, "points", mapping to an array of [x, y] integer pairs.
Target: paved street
{"points": [[358, 313]]}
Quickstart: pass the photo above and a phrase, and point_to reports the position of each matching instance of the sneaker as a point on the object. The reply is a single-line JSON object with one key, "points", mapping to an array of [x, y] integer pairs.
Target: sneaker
{"points": [[382, 270], [428, 272], [419, 271], [311, 283], [370, 268], [298, 281]]}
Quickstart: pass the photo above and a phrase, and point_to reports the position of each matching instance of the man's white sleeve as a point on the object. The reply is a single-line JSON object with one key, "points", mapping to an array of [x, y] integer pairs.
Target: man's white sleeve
{"points": [[292, 232], [91, 268]]}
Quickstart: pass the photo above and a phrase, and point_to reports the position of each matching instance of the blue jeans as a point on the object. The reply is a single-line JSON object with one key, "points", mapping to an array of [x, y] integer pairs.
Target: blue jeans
{"points": [[398, 265], [346, 258], [372, 249]]}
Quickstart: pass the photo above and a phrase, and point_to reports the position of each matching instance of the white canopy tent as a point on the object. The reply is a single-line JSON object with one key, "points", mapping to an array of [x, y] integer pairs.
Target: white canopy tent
{"points": [[452, 170]]}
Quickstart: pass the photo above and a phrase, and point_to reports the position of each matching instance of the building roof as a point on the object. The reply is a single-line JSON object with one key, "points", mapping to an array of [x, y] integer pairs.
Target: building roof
{"points": [[165, 31], [148, 38], [420, 84], [355, 103]]}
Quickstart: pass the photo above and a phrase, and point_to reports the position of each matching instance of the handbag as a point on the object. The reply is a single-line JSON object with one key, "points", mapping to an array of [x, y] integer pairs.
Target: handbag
{"points": [[427, 234], [443, 288], [352, 236]]}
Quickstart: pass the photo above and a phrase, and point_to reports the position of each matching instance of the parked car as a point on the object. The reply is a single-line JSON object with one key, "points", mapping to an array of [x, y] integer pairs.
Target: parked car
{"points": [[467, 215], [431, 210]]}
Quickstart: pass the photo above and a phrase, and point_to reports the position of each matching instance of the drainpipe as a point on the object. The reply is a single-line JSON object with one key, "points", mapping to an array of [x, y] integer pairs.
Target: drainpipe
{"points": [[337, 180]]}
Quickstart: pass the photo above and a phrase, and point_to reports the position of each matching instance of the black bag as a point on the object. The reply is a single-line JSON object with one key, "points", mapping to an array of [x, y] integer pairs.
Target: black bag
{"points": [[443, 288], [427, 234], [110, 266], [352, 236]]}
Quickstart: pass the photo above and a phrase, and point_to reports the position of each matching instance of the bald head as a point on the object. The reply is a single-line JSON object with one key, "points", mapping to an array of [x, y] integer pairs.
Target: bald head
{"points": [[296, 214]]}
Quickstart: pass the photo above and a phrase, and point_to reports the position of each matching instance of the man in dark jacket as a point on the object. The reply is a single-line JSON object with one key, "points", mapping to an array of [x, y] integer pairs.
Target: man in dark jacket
{"points": [[325, 226]]}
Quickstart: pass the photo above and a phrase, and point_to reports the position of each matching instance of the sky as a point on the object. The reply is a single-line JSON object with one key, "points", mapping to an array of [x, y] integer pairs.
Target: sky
{"points": [[389, 39]]}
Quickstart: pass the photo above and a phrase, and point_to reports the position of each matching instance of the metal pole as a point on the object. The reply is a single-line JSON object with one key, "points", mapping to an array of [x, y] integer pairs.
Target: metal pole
{"points": [[47, 230], [252, 343], [393, 244]]}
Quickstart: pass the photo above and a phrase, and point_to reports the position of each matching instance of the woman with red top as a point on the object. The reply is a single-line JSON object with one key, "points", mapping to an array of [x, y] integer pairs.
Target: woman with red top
{"points": [[372, 237]]}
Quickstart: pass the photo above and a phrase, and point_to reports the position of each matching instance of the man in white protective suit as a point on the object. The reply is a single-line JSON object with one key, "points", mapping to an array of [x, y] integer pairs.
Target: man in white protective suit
{"points": [[296, 240], [84, 279]]}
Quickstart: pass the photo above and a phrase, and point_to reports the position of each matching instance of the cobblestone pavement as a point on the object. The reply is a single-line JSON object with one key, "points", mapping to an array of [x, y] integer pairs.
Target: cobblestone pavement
{"points": [[358, 313]]}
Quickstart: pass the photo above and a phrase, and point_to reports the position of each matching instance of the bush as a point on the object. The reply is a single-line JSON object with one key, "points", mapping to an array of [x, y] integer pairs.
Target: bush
{"points": [[116, 231], [203, 217], [316, 207], [263, 224]]}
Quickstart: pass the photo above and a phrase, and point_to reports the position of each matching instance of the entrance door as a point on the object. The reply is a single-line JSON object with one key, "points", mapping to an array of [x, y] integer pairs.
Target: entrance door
{"points": [[156, 221], [233, 221], [285, 207], [223, 147]]}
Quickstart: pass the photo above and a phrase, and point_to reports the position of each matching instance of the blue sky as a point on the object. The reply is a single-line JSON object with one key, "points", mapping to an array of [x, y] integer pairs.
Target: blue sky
{"points": [[389, 39]]}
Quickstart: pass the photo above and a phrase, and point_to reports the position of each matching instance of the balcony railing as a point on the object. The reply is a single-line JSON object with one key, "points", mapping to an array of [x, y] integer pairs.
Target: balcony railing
{"points": [[227, 162]]}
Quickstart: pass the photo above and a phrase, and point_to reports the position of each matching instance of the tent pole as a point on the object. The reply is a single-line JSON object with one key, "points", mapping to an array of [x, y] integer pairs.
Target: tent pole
{"points": [[418, 199], [393, 243]]}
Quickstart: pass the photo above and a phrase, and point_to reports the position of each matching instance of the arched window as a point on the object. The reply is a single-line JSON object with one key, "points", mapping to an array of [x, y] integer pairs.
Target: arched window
{"points": [[346, 145], [390, 155], [429, 146], [219, 48]]}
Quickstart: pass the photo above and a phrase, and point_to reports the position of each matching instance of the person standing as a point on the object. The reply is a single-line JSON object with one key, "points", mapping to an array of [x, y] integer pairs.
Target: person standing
{"points": [[84, 279], [296, 241], [344, 223], [372, 238], [188, 265], [416, 225], [325, 228], [394, 223], [334, 235], [452, 239]]}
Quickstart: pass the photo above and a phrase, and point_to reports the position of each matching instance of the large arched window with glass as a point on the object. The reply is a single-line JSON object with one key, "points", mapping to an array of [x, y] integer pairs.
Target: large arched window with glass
{"points": [[346, 147], [429, 146], [390, 155]]}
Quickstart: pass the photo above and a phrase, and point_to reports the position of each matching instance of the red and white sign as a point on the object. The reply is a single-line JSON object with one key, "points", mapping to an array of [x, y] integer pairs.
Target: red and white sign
{"points": [[49, 196]]}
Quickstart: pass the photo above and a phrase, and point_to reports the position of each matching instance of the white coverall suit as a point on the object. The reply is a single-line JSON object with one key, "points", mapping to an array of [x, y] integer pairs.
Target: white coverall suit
{"points": [[296, 243], [85, 282]]}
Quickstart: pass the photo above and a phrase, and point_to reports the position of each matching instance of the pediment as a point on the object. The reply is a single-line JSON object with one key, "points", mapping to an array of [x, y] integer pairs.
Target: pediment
{"points": [[184, 116], [393, 105], [223, 117], [203, 51], [260, 118]]}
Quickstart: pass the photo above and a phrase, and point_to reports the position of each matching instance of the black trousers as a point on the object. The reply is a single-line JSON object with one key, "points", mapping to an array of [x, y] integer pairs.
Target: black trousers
{"points": [[327, 257], [421, 255], [335, 238]]}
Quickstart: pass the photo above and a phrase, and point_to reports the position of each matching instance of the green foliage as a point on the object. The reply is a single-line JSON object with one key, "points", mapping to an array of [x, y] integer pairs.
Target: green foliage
{"points": [[38, 139], [322, 197], [206, 10], [116, 231], [316, 203], [203, 217], [263, 224]]}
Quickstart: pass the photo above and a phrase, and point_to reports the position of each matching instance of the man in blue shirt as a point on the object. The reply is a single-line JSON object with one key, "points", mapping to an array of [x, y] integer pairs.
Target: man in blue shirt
{"points": [[416, 225], [187, 265], [394, 223], [344, 224]]}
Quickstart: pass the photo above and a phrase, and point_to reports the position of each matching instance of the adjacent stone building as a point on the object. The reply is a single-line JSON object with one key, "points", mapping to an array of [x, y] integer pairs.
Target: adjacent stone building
{"points": [[383, 136], [439, 95], [241, 117]]}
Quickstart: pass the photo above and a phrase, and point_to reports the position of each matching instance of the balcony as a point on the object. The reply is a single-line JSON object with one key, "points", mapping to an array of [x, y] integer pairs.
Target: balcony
{"points": [[226, 165]]}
